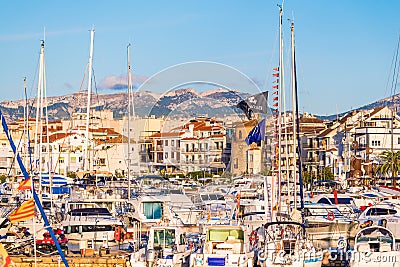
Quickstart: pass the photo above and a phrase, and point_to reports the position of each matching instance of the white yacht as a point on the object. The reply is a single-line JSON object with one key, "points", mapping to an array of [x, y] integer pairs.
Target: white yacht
{"points": [[344, 202], [326, 222], [286, 245], [167, 247], [385, 213], [375, 246], [225, 245], [90, 223]]}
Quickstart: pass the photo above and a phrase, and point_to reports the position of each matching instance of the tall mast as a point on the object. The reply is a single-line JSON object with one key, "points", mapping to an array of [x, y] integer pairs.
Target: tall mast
{"points": [[26, 126], [299, 164], [86, 160], [294, 116], [394, 111], [129, 119], [39, 117], [281, 93]]}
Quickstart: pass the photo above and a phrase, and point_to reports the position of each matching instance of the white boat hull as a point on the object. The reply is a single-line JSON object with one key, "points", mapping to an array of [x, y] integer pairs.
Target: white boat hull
{"points": [[96, 236]]}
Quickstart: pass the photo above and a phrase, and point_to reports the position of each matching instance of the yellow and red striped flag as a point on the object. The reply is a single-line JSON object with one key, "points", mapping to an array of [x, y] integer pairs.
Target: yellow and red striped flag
{"points": [[25, 184], [25, 212], [6, 260]]}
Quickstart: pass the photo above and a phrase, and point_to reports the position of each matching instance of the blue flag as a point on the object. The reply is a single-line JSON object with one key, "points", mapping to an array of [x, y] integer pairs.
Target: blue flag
{"points": [[257, 133]]}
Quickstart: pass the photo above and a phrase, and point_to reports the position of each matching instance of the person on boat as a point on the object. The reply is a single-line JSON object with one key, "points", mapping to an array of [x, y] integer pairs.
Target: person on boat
{"points": [[25, 232]]}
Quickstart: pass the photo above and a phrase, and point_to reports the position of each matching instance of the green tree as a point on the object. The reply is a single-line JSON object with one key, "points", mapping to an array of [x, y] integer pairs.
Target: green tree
{"points": [[391, 164], [3, 178], [326, 174], [308, 177]]}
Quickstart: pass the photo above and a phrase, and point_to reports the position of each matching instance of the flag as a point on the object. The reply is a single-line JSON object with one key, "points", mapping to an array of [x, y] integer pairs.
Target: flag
{"points": [[6, 260], [275, 99], [276, 69], [25, 184], [276, 81], [275, 93], [335, 197], [257, 133], [25, 212], [255, 103], [275, 74], [275, 87]]}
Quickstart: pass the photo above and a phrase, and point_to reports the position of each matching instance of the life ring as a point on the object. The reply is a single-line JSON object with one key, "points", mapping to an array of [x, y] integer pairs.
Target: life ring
{"points": [[253, 238], [330, 216]]}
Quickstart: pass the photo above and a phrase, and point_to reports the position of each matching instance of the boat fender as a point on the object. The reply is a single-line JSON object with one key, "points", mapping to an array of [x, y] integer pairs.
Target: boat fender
{"points": [[253, 238], [277, 246], [382, 222], [117, 233], [330, 216], [366, 224]]}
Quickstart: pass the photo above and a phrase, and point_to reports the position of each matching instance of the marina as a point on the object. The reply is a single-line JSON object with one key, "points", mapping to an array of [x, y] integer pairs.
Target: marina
{"points": [[195, 177]]}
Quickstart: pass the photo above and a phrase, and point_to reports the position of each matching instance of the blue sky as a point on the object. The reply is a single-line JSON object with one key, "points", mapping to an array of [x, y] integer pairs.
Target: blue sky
{"points": [[344, 48]]}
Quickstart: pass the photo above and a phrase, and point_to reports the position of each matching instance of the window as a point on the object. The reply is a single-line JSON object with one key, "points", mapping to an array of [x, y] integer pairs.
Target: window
{"points": [[377, 142], [165, 142], [152, 210], [172, 155], [166, 155], [251, 158], [240, 135], [324, 201], [172, 142], [380, 211], [236, 165]]}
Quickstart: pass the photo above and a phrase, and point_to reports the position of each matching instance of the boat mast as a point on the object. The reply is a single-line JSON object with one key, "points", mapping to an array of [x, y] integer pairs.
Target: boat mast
{"points": [[87, 155], [281, 93], [26, 126], [294, 174], [39, 116], [299, 163], [130, 107], [394, 111]]}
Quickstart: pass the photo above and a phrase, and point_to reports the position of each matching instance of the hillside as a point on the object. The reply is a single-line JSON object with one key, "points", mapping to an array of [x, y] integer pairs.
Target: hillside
{"points": [[182, 101]]}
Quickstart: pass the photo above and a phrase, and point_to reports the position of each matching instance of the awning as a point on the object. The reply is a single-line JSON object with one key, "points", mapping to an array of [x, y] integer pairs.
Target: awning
{"points": [[217, 165]]}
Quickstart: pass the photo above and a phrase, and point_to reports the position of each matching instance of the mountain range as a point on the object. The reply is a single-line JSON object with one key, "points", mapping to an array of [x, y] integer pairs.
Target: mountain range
{"points": [[216, 102], [186, 101]]}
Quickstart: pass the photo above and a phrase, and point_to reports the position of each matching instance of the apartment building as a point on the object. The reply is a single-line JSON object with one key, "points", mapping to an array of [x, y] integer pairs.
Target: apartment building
{"points": [[196, 146]]}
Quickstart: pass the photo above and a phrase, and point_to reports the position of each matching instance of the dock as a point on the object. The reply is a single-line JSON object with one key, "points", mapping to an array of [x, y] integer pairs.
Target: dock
{"points": [[74, 261]]}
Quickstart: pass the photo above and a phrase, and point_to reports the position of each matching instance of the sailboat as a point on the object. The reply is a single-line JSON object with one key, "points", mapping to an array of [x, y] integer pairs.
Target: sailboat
{"points": [[285, 242]]}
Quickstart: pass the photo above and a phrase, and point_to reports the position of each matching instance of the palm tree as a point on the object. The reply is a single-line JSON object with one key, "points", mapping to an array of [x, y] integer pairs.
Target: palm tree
{"points": [[390, 165]]}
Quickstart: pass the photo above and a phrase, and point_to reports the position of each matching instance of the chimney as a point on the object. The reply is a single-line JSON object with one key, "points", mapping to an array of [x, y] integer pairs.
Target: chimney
{"points": [[191, 127]]}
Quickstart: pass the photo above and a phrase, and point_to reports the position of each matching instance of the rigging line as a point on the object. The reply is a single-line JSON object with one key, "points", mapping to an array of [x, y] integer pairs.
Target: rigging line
{"points": [[15, 155], [101, 120], [32, 88], [395, 69], [397, 76], [75, 103], [269, 66]]}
